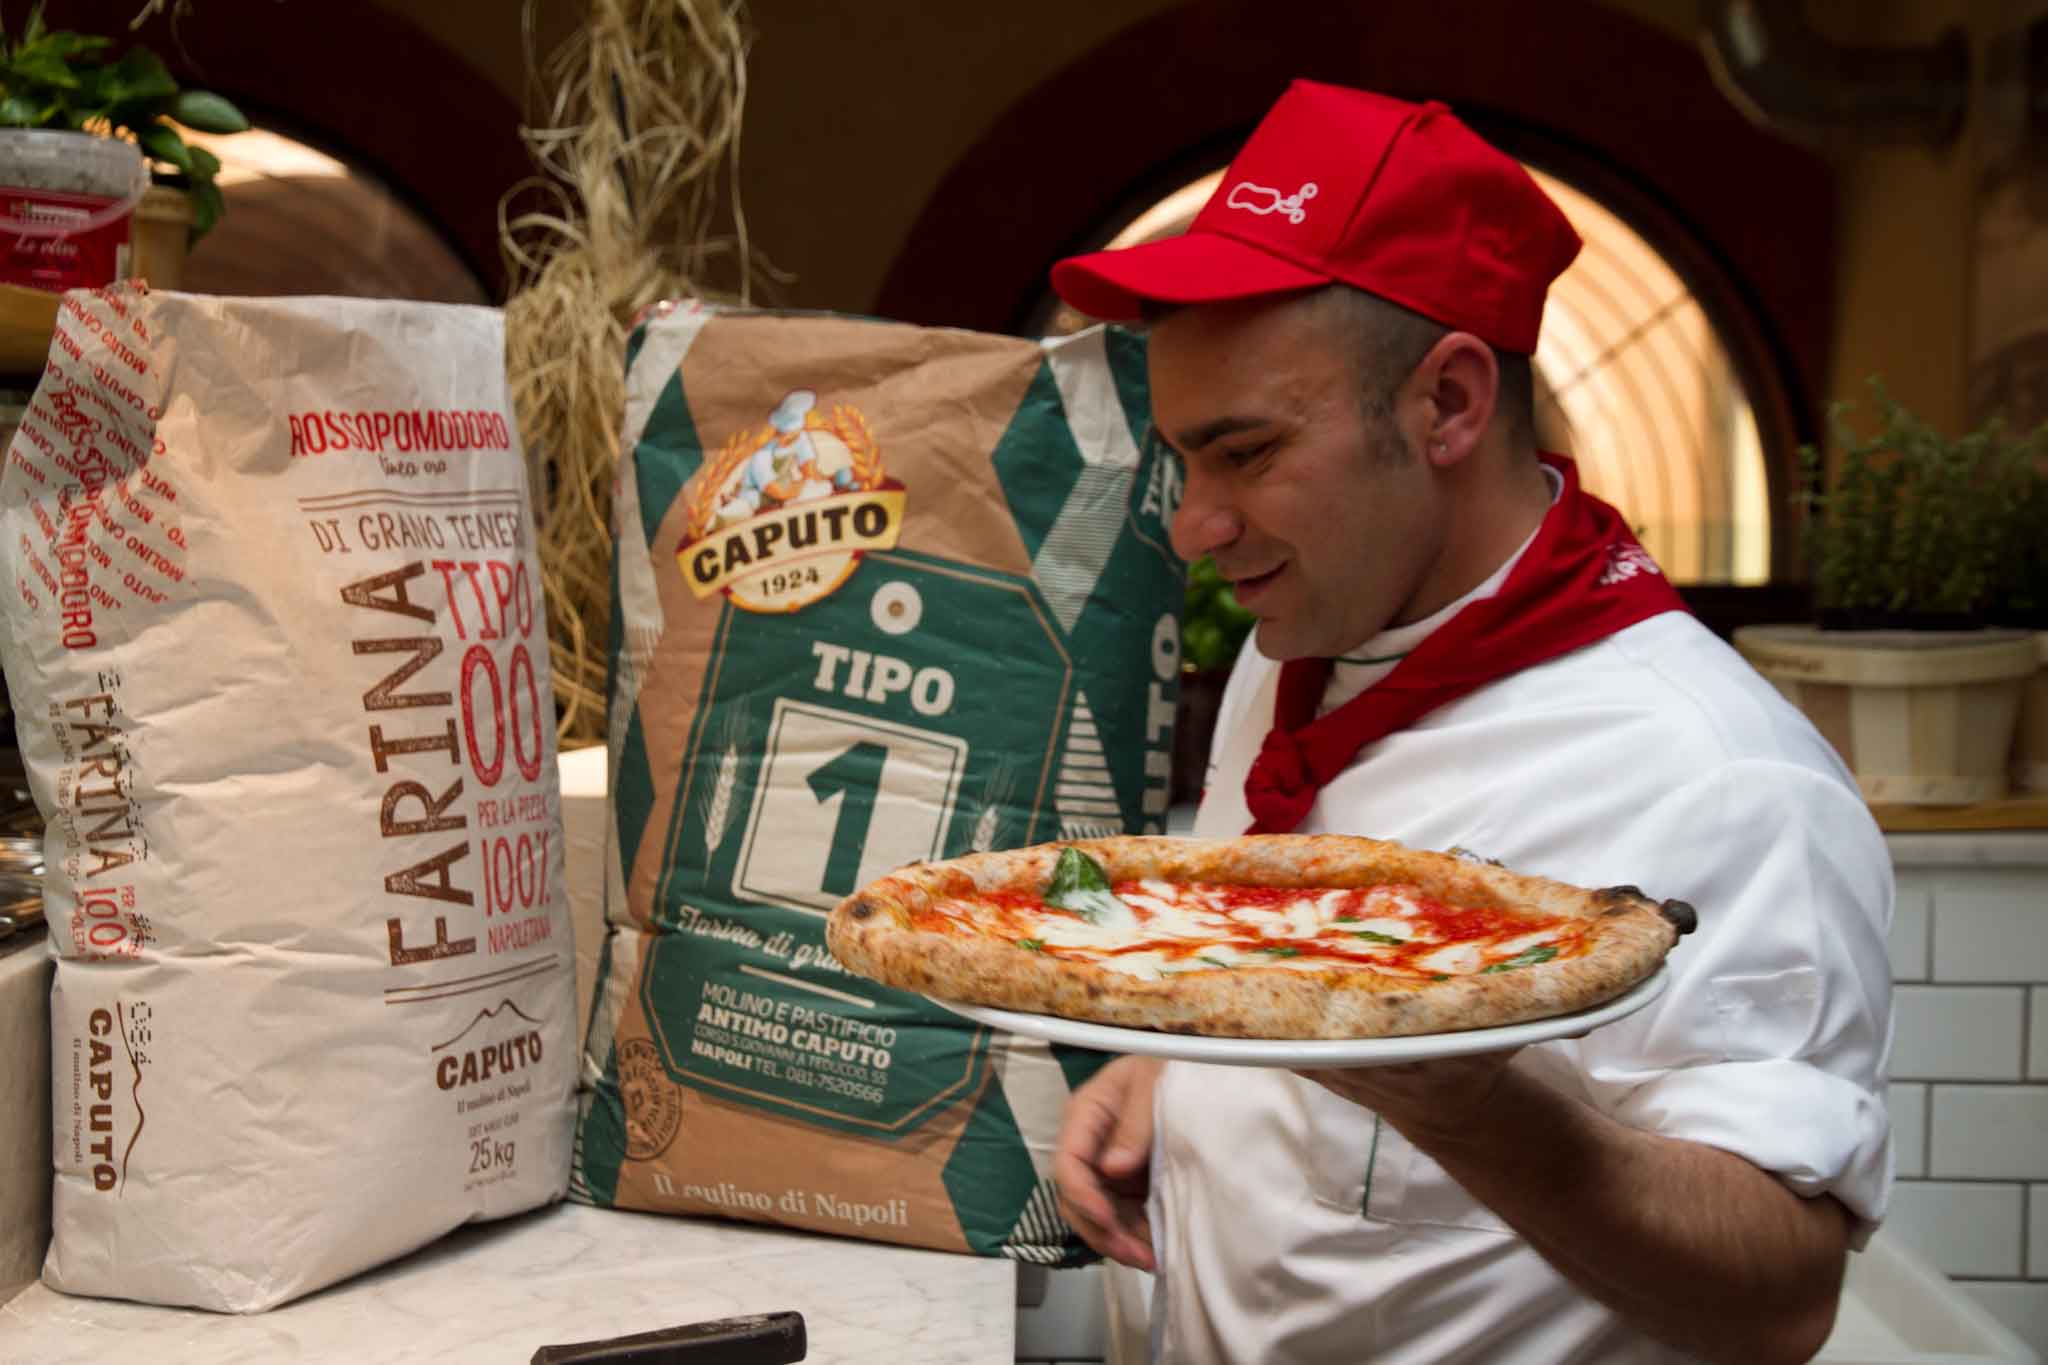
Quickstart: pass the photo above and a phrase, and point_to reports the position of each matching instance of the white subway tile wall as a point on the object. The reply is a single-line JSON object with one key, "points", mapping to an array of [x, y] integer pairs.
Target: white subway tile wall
{"points": [[2037, 1232], [1989, 1132], [1969, 1099], [1958, 1033], [1908, 1106], [2037, 1033], [1912, 927], [1988, 924]]}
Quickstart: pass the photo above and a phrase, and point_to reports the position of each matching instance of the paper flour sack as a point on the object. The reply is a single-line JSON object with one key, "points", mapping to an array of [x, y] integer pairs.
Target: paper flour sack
{"points": [[277, 657], [884, 593]]}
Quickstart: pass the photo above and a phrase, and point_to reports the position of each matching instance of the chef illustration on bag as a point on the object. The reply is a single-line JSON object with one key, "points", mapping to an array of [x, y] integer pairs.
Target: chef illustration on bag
{"points": [[789, 467]]}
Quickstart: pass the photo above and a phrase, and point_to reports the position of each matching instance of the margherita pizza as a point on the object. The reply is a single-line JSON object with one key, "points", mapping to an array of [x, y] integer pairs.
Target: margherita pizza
{"points": [[1267, 936]]}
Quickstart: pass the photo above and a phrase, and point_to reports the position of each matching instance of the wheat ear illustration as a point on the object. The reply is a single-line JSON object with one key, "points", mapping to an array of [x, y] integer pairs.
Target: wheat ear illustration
{"points": [[994, 797], [852, 428], [718, 809]]}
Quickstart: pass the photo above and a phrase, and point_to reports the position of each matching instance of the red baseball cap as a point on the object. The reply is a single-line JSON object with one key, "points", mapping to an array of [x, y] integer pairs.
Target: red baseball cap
{"points": [[1335, 185]]}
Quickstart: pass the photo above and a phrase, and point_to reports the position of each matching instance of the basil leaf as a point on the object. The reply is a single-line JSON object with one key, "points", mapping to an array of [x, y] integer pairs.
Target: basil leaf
{"points": [[1213, 962], [1280, 951], [1033, 944], [1370, 937], [1075, 871], [1080, 885], [1528, 957], [1441, 976]]}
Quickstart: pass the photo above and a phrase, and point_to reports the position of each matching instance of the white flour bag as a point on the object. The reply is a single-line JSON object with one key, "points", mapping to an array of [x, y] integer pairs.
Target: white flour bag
{"points": [[277, 658]]}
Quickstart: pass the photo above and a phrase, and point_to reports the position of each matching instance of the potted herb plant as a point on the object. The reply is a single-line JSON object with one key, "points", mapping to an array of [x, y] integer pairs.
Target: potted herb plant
{"points": [[1213, 628], [56, 84], [1912, 548], [2023, 601]]}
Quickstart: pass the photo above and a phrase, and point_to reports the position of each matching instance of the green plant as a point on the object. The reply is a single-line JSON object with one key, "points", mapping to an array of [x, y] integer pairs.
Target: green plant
{"points": [[2023, 595], [1919, 528], [54, 78], [1213, 625]]}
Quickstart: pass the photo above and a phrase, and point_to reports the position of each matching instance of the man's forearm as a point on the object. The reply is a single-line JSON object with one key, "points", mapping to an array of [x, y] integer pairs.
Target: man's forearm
{"points": [[1692, 1244]]}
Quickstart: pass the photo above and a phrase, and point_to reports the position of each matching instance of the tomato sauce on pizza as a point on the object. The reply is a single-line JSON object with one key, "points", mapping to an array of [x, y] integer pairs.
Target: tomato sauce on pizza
{"points": [[1204, 926]]}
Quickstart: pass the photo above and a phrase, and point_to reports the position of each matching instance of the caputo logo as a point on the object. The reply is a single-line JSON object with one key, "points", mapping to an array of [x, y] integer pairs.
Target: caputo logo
{"points": [[781, 516]]}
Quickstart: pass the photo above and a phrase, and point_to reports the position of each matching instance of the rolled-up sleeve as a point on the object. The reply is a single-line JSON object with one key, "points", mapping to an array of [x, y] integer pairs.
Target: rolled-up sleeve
{"points": [[1773, 1037]]}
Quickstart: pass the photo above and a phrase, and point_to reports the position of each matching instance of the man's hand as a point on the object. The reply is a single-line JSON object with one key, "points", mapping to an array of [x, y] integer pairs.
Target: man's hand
{"points": [[1422, 1099], [1103, 1164]]}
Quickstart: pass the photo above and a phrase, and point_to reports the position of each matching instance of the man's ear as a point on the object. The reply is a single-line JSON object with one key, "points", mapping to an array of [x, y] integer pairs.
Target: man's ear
{"points": [[1457, 386]]}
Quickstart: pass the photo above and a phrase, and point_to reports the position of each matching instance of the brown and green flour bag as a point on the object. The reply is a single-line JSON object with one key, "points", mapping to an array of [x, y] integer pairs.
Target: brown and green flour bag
{"points": [[883, 593]]}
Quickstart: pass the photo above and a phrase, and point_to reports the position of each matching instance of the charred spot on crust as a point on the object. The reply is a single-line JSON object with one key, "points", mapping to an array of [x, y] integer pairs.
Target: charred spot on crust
{"points": [[1683, 917], [1618, 893], [860, 910]]}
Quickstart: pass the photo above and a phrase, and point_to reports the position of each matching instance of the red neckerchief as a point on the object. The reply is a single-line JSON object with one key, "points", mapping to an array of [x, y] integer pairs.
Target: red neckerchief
{"points": [[1583, 578]]}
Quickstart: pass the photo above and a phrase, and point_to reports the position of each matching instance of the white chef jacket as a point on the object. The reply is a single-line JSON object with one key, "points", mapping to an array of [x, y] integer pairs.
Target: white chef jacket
{"points": [[1291, 1225]]}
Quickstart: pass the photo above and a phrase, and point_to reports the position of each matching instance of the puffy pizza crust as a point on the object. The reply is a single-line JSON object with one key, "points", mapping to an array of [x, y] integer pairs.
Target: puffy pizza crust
{"points": [[873, 932]]}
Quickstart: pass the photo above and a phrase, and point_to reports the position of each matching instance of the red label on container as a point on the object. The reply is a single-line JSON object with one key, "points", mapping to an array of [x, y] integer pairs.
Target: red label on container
{"points": [[82, 257]]}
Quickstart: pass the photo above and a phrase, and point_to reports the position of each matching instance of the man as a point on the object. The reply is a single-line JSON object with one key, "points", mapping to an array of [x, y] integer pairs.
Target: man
{"points": [[1457, 647]]}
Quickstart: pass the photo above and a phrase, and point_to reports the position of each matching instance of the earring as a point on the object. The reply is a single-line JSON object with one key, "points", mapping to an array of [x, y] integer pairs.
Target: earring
{"points": [[1438, 447]]}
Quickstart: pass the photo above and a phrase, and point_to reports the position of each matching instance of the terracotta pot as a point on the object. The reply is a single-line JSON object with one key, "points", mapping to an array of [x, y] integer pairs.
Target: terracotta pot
{"points": [[1921, 717]]}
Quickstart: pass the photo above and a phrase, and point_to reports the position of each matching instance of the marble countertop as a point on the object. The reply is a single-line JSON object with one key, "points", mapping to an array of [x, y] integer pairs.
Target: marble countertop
{"points": [[499, 1291]]}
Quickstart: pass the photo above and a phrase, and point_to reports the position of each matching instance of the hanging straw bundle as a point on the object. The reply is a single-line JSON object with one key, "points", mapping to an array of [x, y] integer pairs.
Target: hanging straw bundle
{"points": [[638, 149]]}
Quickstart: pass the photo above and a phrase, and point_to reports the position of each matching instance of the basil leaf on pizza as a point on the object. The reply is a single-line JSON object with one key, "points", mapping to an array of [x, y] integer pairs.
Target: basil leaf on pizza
{"points": [[1268, 936], [1079, 884], [1528, 957]]}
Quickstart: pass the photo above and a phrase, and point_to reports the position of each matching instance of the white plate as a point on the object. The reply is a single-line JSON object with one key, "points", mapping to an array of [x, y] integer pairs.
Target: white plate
{"points": [[1312, 1052]]}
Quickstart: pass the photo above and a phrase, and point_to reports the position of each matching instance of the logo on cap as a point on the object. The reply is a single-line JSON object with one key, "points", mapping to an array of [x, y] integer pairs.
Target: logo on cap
{"points": [[1262, 201]]}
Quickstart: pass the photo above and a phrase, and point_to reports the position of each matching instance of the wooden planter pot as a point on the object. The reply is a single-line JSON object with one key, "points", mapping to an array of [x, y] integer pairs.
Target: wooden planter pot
{"points": [[1921, 717], [2030, 746]]}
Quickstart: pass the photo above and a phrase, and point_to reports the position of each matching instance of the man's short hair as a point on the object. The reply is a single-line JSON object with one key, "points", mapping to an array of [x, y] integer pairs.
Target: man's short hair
{"points": [[1389, 341]]}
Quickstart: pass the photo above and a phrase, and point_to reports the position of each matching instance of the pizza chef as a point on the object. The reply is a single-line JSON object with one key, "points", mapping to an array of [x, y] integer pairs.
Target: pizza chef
{"points": [[1457, 646]]}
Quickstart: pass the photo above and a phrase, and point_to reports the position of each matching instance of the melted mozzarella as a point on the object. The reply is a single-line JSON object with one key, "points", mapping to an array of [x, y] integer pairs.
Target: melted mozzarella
{"points": [[1503, 949], [1292, 919], [1390, 900], [1146, 966], [1071, 931], [1454, 959]]}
